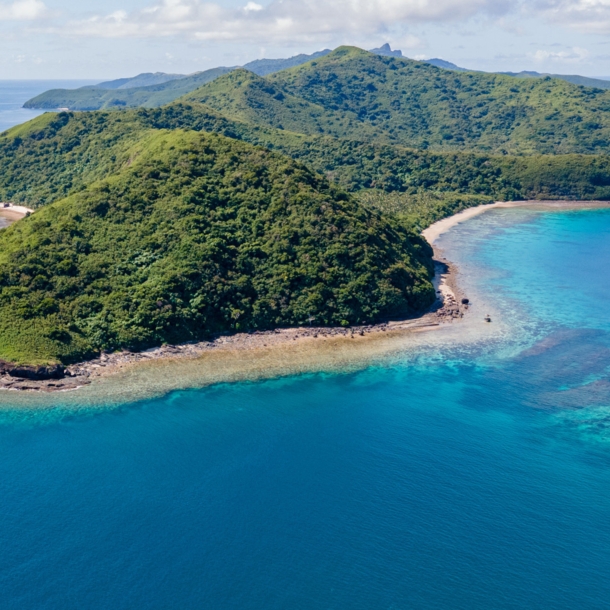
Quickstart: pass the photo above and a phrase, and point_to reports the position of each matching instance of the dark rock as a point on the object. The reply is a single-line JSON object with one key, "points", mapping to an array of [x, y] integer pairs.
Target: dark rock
{"points": [[34, 373], [465, 301]]}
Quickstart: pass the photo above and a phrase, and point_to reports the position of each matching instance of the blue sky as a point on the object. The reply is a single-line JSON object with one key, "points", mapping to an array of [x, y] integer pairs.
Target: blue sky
{"points": [[90, 39]]}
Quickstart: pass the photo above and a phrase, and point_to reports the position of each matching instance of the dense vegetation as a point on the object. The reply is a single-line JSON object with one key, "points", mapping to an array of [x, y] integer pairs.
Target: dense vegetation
{"points": [[419, 105], [353, 94], [150, 90], [253, 203], [200, 234], [57, 154]]}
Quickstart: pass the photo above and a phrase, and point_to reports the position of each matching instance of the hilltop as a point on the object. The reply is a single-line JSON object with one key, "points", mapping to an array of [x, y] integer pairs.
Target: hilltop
{"points": [[354, 94], [419, 105], [156, 89], [198, 235]]}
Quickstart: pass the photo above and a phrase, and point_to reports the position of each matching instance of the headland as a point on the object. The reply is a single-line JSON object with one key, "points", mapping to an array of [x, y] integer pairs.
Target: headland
{"points": [[128, 375]]}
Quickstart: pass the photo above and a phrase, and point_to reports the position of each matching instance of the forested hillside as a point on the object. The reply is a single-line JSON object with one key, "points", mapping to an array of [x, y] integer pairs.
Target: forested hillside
{"points": [[419, 105], [254, 203], [200, 234], [354, 94], [57, 154]]}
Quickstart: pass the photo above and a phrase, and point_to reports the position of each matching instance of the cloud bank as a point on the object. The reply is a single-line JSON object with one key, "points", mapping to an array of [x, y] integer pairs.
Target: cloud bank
{"points": [[591, 16], [279, 21]]}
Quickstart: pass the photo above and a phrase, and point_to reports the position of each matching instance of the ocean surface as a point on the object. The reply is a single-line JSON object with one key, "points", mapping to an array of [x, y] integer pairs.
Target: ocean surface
{"points": [[471, 478], [14, 93]]}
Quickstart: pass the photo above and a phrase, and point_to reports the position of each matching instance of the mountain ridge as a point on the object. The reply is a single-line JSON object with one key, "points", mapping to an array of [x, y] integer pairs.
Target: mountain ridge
{"points": [[156, 89], [575, 79]]}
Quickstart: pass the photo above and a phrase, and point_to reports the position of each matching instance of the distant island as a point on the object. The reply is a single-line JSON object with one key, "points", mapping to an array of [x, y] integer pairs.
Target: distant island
{"points": [[255, 203]]}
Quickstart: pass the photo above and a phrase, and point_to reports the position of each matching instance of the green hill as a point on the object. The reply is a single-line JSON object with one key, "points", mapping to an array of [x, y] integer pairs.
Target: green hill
{"points": [[422, 106], [199, 234], [350, 93], [141, 80], [248, 98], [354, 94], [96, 98], [256, 202], [59, 154], [150, 90]]}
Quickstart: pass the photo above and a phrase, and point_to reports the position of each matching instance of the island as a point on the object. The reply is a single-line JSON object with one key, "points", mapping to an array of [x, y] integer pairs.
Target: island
{"points": [[256, 205]]}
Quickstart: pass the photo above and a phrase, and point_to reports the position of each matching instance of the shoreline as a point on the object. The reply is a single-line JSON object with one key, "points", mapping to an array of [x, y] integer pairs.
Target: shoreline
{"points": [[434, 231], [446, 309], [12, 213], [296, 349]]}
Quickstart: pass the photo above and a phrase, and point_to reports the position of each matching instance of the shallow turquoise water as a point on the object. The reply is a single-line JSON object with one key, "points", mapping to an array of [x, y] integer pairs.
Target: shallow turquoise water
{"points": [[477, 480]]}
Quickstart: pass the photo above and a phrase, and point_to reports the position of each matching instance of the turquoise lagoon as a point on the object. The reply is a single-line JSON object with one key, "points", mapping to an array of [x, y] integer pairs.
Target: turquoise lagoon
{"points": [[467, 475]]}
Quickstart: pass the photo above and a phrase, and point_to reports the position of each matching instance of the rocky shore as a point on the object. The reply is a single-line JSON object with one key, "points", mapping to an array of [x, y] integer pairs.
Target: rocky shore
{"points": [[448, 308]]}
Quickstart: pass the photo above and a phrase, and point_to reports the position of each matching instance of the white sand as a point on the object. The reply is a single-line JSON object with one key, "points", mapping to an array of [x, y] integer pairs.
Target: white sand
{"points": [[126, 377], [15, 209], [433, 232]]}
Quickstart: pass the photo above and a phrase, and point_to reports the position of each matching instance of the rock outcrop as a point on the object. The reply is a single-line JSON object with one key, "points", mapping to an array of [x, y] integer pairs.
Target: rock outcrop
{"points": [[34, 373]]}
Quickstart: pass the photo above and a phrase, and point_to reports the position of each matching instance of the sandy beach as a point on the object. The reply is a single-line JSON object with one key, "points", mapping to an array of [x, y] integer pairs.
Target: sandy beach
{"points": [[433, 232], [13, 213], [125, 375]]}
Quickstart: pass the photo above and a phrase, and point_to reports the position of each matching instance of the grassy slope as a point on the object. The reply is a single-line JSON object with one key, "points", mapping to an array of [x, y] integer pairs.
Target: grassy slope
{"points": [[199, 234]]}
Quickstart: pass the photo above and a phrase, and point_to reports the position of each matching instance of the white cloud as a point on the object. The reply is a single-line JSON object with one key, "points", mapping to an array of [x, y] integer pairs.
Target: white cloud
{"points": [[252, 6], [592, 16], [574, 56], [281, 20], [22, 10]]}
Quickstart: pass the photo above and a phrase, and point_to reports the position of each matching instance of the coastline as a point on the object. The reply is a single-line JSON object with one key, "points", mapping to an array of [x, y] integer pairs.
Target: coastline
{"points": [[13, 213], [285, 351], [433, 232], [250, 355]]}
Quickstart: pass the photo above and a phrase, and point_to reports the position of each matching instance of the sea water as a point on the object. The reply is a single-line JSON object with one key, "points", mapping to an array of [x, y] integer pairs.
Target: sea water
{"points": [[14, 93], [472, 479]]}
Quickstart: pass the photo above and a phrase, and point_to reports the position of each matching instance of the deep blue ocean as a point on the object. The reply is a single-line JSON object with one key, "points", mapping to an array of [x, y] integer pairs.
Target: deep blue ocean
{"points": [[471, 479], [14, 93]]}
